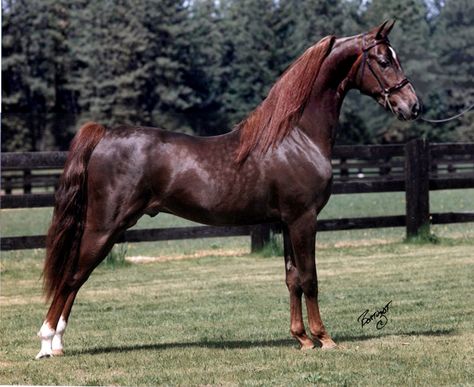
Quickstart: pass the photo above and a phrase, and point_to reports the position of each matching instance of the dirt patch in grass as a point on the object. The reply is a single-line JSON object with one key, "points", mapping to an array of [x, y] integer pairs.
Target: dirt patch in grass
{"points": [[197, 254], [357, 243], [20, 300]]}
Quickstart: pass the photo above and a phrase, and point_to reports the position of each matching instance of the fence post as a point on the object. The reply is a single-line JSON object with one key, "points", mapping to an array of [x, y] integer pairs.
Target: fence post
{"points": [[385, 169], [26, 181], [417, 188], [8, 185], [259, 237], [344, 169]]}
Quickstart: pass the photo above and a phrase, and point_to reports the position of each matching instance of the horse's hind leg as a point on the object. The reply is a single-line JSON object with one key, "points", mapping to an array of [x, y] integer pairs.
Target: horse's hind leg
{"points": [[102, 229], [52, 340], [94, 248], [58, 344], [294, 287]]}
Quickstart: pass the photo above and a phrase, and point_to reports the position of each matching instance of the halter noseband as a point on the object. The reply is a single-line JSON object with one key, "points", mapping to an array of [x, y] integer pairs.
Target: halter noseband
{"points": [[385, 91]]}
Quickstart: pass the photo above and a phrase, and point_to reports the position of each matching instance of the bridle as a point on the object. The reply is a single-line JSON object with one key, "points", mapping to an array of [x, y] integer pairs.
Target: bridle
{"points": [[385, 91]]}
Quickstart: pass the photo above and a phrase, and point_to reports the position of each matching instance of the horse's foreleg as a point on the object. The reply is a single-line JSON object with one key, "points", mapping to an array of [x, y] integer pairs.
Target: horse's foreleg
{"points": [[303, 237], [297, 329]]}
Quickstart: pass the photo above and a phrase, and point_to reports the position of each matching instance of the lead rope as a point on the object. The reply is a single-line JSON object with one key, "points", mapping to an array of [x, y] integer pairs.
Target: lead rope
{"points": [[449, 118]]}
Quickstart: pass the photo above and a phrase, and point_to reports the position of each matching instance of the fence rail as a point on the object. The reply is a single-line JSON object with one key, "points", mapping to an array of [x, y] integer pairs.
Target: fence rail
{"points": [[29, 180]]}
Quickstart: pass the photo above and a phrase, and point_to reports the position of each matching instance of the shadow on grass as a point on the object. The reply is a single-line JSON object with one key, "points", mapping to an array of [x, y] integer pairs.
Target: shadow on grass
{"points": [[362, 336], [240, 344]]}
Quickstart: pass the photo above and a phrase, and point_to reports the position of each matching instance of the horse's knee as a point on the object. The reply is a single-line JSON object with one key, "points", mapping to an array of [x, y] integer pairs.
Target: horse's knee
{"points": [[309, 284], [293, 281], [294, 287]]}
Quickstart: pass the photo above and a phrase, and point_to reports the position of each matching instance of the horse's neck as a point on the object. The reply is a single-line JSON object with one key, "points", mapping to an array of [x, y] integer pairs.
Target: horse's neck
{"points": [[321, 115]]}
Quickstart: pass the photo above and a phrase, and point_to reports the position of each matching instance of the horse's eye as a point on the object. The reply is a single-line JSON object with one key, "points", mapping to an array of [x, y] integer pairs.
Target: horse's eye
{"points": [[384, 63]]}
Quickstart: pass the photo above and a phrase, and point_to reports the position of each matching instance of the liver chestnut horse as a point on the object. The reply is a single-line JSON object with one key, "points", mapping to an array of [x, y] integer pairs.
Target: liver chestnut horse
{"points": [[275, 166]]}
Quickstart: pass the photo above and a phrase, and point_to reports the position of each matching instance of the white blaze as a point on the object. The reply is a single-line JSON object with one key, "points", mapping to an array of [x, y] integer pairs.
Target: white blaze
{"points": [[393, 53]]}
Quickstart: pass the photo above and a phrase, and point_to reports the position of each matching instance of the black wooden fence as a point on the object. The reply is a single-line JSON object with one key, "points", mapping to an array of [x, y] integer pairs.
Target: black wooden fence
{"points": [[29, 180]]}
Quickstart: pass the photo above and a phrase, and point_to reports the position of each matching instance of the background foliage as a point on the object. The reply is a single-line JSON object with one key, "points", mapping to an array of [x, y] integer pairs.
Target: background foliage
{"points": [[201, 66]]}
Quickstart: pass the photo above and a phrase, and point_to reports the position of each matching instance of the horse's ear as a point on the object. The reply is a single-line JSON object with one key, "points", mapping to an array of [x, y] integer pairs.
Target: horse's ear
{"points": [[384, 29]]}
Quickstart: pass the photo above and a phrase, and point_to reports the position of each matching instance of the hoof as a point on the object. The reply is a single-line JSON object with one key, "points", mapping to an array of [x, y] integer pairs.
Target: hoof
{"points": [[58, 352], [329, 344], [305, 342], [43, 355], [306, 347], [325, 342]]}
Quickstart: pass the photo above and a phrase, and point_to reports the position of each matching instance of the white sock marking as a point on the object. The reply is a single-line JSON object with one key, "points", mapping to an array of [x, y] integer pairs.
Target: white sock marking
{"points": [[46, 334], [57, 344]]}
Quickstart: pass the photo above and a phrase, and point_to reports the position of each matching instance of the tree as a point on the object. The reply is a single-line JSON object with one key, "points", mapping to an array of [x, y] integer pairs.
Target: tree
{"points": [[15, 131], [34, 67], [203, 65], [111, 71], [205, 73], [249, 56], [453, 36], [168, 95]]}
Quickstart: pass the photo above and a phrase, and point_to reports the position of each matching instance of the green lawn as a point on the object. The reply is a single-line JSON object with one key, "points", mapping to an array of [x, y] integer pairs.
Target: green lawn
{"points": [[223, 318]]}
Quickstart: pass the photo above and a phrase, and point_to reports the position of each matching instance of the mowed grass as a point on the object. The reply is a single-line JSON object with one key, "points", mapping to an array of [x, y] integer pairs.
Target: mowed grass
{"points": [[225, 321], [35, 221], [220, 316]]}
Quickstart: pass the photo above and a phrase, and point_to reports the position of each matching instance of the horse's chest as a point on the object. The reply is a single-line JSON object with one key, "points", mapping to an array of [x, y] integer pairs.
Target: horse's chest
{"points": [[306, 183]]}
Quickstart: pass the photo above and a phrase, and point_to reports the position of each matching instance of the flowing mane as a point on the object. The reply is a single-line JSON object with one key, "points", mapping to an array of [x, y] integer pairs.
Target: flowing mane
{"points": [[274, 118]]}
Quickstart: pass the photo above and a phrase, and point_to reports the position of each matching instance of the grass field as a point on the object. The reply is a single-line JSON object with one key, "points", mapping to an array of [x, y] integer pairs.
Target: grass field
{"points": [[223, 318]]}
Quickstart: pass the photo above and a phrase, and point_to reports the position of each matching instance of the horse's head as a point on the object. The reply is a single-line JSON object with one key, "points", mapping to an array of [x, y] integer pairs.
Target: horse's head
{"points": [[378, 73]]}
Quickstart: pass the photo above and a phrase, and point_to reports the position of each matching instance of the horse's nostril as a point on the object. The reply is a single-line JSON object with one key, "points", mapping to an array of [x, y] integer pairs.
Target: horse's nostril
{"points": [[415, 109]]}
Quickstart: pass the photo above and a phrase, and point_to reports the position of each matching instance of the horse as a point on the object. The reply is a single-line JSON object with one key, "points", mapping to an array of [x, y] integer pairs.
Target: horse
{"points": [[274, 166]]}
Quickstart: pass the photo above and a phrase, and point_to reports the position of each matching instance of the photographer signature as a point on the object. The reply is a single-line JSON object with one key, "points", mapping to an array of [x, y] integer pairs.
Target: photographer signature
{"points": [[379, 315]]}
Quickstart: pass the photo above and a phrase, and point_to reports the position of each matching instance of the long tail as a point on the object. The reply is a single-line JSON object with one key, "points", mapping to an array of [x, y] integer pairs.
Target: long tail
{"points": [[65, 233]]}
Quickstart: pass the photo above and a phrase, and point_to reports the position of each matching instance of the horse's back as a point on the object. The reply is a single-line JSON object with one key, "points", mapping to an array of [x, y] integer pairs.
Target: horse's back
{"points": [[149, 170]]}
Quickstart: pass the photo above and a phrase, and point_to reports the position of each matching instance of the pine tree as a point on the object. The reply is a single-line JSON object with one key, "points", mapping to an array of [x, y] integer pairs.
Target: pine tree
{"points": [[206, 116], [249, 56], [111, 61], [34, 67], [15, 129], [168, 95], [301, 23], [454, 33], [203, 65], [132, 63], [317, 18]]}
